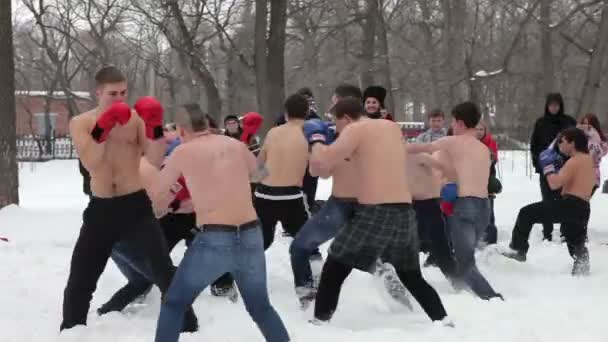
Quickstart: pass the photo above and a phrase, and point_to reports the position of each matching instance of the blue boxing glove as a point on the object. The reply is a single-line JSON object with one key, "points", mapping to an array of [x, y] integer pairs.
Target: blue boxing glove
{"points": [[317, 131], [171, 145], [550, 161], [449, 192]]}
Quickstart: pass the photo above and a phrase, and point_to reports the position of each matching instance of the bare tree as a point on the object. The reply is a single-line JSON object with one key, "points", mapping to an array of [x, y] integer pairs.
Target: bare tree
{"points": [[270, 40], [594, 70], [9, 187]]}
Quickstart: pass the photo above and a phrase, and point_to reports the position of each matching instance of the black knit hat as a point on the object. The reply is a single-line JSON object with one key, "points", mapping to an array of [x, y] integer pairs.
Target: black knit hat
{"points": [[231, 118], [377, 92]]}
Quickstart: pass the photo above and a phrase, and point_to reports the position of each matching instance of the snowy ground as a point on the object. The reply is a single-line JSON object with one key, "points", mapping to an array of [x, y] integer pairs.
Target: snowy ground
{"points": [[543, 302]]}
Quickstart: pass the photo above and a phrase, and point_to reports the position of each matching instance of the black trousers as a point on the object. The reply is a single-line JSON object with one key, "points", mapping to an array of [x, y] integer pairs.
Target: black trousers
{"points": [[333, 276], [572, 212], [127, 218], [548, 195], [433, 233], [280, 204]]}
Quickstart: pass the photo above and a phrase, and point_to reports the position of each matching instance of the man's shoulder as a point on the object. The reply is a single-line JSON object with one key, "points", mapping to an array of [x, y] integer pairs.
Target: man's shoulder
{"points": [[83, 119]]}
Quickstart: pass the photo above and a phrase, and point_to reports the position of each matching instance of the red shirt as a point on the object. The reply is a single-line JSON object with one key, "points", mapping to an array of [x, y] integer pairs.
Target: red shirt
{"points": [[491, 143]]}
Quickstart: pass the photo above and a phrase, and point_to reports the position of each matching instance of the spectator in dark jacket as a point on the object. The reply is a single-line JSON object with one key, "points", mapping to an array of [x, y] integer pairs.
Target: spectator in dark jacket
{"points": [[546, 129], [312, 113]]}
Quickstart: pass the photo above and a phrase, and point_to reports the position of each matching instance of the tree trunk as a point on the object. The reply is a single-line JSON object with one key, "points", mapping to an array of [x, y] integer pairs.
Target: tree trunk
{"points": [[261, 53], [455, 15], [594, 70], [9, 186], [385, 65], [431, 54], [270, 59], [196, 63], [368, 44], [548, 77], [276, 59]]}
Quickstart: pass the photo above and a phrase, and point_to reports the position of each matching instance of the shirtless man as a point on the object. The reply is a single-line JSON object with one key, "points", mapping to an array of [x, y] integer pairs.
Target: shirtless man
{"points": [[110, 140], [471, 208], [217, 170], [383, 225], [577, 180], [425, 182], [176, 219], [279, 197], [324, 225]]}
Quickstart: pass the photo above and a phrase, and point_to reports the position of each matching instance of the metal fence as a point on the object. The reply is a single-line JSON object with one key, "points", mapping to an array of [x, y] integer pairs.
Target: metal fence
{"points": [[40, 148]]}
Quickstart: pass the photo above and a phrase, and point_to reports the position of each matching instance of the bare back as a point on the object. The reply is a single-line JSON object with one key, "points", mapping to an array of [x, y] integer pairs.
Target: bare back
{"points": [[217, 170], [113, 164], [377, 152], [424, 181], [285, 151], [579, 177], [471, 161]]}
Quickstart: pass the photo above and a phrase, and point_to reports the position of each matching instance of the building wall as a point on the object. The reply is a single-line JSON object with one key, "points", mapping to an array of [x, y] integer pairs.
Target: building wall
{"points": [[30, 114]]}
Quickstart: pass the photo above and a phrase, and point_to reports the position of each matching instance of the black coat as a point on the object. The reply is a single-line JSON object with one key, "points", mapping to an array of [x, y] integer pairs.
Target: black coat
{"points": [[546, 129]]}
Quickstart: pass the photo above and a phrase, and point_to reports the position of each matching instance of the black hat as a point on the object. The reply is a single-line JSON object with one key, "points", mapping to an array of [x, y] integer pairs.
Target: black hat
{"points": [[231, 118], [377, 92]]}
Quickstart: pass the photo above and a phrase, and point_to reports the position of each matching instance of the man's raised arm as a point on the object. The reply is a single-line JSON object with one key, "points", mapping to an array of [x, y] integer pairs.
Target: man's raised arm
{"points": [[151, 130], [90, 143]]}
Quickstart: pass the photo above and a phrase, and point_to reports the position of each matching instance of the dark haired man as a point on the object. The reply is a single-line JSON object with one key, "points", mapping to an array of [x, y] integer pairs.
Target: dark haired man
{"points": [[545, 130], [279, 197], [469, 196], [229, 237], [383, 224], [110, 142], [576, 179]]}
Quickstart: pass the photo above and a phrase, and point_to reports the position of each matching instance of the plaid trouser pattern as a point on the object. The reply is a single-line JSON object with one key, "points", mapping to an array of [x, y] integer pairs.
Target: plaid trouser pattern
{"points": [[382, 231]]}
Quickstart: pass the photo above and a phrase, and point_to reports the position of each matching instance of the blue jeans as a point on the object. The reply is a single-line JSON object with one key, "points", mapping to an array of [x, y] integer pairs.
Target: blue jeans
{"points": [[467, 226], [138, 275], [211, 254], [319, 229]]}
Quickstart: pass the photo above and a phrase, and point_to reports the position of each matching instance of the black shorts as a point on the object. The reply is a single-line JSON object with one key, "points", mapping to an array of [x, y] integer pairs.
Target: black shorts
{"points": [[380, 231], [280, 204]]}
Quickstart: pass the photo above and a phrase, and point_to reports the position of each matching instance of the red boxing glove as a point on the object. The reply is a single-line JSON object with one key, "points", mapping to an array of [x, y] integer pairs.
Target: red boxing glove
{"points": [[117, 113], [183, 193], [251, 123], [151, 111], [447, 208]]}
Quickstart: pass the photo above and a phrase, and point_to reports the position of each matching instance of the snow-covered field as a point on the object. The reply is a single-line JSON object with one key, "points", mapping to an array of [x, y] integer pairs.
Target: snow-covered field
{"points": [[543, 302]]}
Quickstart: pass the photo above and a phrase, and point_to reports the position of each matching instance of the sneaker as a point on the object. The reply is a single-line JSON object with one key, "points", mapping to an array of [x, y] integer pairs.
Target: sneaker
{"points": [[229, 292], [515, 255], [318, 322], [447, 322], [306, 295]]}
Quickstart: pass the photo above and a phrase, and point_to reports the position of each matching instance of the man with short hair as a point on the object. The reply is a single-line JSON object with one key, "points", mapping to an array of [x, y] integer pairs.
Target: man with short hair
{"points": [[436, 129], [469, 195], [279, 197], [576, 179], [110, 142], [217, 170], [546, 128], [383, 225]]}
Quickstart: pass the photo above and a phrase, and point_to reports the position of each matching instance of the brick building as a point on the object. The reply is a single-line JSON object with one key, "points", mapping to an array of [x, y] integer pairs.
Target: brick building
{"points": [[30, 111]]}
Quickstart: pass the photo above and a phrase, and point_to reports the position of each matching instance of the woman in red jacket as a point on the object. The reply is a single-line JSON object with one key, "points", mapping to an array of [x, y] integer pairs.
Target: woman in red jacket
{"points": [[494, 186]]}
